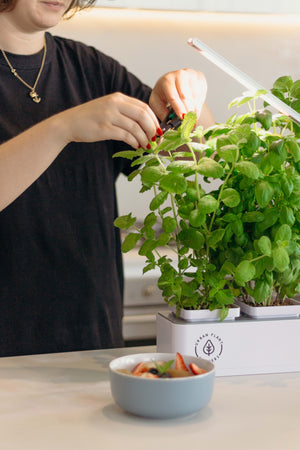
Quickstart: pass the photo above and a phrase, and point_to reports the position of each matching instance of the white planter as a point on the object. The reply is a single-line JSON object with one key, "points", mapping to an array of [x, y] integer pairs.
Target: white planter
{"points": [[236, 347], [206, 314], [268, 312]]}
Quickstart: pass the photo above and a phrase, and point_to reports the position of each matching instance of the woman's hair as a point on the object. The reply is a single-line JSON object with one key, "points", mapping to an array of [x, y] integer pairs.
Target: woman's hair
{"points": [[75, 5]]}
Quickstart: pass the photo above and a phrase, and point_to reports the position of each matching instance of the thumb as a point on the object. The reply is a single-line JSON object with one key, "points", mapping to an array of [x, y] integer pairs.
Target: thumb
{"points": [[158, 106]]}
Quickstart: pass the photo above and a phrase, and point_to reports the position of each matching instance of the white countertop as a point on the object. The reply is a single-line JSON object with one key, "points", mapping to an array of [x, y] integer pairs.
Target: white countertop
{"points": [[63, 401]]}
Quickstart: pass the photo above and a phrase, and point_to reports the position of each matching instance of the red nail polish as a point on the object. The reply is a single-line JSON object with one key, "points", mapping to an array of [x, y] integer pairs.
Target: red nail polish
{"points": [[159, 132], [153, 139], [148, 146], [183, 116], [139, 146]]}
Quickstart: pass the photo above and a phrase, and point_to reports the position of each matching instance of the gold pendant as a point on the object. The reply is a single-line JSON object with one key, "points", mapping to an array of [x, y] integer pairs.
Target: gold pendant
{"points": [[34, 96]]}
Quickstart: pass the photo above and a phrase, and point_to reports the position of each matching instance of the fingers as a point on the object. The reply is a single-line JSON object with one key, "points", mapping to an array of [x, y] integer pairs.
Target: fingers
{"points": [[185, 90], [115, 116], [138, 120]]}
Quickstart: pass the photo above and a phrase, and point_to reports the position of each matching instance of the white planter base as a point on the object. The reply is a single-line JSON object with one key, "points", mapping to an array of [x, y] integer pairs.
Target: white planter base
{"points": [[270, 312], [239, 347], [206, 314]]}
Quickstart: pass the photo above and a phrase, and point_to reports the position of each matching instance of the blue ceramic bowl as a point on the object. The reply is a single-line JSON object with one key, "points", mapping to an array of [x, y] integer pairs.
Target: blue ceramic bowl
{"points": [[162, 398]]}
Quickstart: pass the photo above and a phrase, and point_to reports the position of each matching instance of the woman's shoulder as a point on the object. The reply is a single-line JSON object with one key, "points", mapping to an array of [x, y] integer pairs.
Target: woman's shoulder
{"points": [[78, 49]]}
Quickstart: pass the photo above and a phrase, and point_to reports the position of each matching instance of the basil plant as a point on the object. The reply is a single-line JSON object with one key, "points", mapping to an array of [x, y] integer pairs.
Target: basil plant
{"points": [[240, 239]]}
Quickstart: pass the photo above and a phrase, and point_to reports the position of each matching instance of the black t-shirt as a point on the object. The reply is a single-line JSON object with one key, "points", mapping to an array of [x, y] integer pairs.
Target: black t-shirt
{"points": [[61, 276]]}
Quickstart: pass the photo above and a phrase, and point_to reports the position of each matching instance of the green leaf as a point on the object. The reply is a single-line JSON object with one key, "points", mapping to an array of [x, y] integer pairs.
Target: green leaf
{"points": [[238, 101], [150, 220], [253, 216], [225, 297], [142, 160], [207, 204], [284, 233], [230, 197], [215, 237], [150, 266], [163, 369], [130, 242], [133, 174], [265, 245], [295, 90], [148, 246], [230, 152], [244, 272], [191, 238], [125, 222], [163, 239], [281, 258], [261, 291], [158, 200], [283, 84], [287, 216], [277, 153], [152, 174], [209, 168], [263, 193], [188, 124], [271, 216], [169, 224], [174, 183], [294, 149], [196, 218], [265, 118], [180, 166], [128, 154], [248, 169]]}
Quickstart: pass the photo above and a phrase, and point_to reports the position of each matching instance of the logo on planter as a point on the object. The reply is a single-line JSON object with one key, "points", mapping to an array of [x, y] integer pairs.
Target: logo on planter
{"points": [[209, 346]]}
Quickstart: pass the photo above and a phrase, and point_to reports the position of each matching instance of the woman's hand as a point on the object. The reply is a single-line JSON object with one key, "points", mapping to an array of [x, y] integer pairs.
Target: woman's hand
{"points": [[184, 90], [115, 116]]}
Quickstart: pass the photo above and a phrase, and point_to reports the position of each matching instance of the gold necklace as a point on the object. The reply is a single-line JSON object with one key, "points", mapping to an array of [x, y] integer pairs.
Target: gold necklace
{"points": [[35, 97]]}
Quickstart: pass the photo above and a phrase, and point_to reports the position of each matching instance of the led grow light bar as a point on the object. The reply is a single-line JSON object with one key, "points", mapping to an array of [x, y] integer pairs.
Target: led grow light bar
{"points": [[243, 78]]}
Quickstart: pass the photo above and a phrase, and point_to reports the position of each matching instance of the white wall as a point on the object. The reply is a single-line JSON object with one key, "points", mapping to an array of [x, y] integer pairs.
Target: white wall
{"points": [[151, 43]]}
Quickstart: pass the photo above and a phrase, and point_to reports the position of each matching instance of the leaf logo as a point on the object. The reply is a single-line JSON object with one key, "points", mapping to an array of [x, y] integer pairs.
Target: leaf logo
{"points": [[208, 348]]}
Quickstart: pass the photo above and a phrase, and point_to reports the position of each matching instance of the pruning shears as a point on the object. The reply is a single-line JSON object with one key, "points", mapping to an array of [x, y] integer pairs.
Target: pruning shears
{"points": [[171, 121]]}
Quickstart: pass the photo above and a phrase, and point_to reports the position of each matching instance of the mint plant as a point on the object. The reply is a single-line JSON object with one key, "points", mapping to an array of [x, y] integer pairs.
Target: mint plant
{"points": [[241, 239]]}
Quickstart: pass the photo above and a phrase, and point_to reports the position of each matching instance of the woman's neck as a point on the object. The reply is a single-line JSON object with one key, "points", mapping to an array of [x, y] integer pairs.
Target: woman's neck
{"points": [[19, 42]]}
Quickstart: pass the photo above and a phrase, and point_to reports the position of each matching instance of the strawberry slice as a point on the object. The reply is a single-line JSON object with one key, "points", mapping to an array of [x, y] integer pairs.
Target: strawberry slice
{"points": [[139, 368], [179, 363], [196, 369]]}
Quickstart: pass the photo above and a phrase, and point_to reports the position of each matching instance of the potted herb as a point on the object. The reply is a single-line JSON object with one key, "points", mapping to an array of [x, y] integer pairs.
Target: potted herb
{"points": [[241, 239]]}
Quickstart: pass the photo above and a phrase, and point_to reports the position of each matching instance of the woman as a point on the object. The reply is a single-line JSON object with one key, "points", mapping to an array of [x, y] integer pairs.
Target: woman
{"points": [[66, 108]]}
